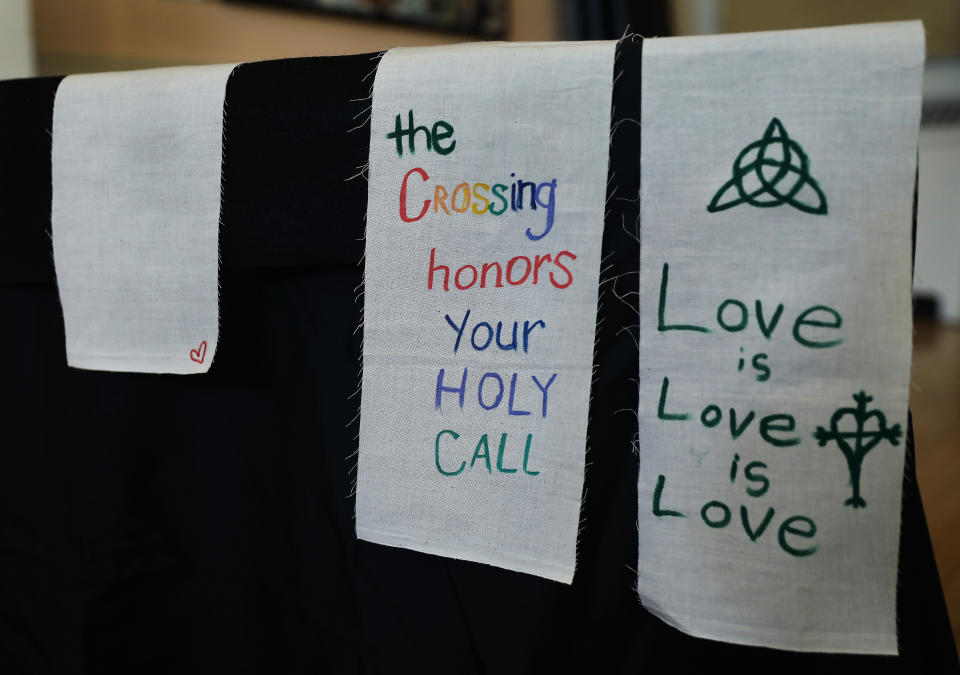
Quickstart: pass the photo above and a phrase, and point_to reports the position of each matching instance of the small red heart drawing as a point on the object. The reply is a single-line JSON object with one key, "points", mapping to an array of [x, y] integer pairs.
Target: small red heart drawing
{"points": [[199, 353]]}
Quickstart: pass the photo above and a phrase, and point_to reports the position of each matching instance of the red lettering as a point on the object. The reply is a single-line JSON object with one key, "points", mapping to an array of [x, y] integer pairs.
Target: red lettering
{"points": [[476, 274], [539, 260], [456, 277], [403, 196], [433, 270], [526, 273], [557, 262], [483, 274]]}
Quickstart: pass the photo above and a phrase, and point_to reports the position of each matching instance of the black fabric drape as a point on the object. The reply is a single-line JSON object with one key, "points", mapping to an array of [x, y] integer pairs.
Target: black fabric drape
{"points": [[205, 523]]}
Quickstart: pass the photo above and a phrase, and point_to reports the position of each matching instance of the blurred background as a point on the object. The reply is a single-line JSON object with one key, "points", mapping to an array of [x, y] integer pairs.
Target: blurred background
{"points": [[48, 37]]}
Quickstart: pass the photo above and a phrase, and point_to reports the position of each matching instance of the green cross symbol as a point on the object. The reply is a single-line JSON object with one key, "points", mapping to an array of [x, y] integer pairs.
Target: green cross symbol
{"points": [[864, 440], [772, 171]]}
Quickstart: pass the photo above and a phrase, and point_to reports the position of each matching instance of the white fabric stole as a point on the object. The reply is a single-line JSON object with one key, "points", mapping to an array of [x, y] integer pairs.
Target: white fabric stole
{"points": [[487, 185], [136, 164], [775, 344]]}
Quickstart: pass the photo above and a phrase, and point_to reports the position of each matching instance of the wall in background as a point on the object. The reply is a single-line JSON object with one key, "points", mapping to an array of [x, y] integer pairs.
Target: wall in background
{"points": [[937, 271], [74, 36], [96, 35], [941, 18], [16, 39]]}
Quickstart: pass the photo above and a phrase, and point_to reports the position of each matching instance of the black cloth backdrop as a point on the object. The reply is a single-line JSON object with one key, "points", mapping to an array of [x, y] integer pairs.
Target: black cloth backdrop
{"points": [[201, 524]]}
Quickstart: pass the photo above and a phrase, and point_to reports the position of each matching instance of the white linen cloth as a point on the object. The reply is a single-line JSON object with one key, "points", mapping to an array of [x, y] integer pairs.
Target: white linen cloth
{"points": [[821, 220], [499, 113], [136, 203]]}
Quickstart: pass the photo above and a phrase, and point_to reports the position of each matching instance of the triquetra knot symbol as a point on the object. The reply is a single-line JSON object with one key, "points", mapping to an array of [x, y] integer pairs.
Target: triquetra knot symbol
{"points": [[772, 171]]}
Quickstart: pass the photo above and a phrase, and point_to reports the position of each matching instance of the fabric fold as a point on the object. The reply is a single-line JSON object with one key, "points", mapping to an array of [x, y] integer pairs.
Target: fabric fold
{"points": [[136, 168], [775, 332], [484, 230]]}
